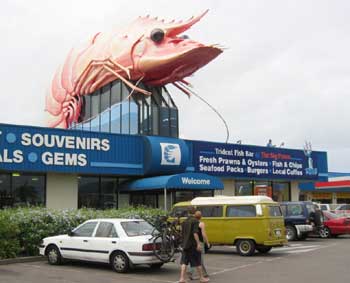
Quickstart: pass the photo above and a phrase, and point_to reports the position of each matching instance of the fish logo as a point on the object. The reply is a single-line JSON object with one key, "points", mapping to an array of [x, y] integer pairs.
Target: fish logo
{"points": [[171, 154]]}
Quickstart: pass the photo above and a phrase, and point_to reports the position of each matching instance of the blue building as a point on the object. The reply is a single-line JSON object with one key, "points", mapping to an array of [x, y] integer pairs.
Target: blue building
{"points": [[125, 151]]}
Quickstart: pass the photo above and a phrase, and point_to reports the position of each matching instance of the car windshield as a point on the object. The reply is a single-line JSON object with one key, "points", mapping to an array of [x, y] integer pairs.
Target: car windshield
{"points": [[137, 228]]}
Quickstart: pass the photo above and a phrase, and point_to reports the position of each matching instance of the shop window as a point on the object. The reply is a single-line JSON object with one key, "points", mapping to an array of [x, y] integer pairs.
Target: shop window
{"points": [[115, 119], [281, 191], [244, 188], [88, 192], [108, 192], [6, 197], [211, 211], [144, 199], [28, 189], [241, 211]]}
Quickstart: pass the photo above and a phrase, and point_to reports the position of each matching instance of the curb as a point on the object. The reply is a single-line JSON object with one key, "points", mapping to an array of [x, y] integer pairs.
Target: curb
{"points": [[22, 259]]}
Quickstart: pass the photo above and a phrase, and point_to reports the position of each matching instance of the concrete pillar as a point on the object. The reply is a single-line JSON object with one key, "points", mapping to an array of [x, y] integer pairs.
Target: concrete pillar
{"points": [[334, 198], [229, 187], [294, 191], [61, 191]]}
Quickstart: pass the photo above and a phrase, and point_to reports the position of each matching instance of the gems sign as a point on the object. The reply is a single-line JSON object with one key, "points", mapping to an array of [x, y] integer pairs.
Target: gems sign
{"points": [[41, 149], [254, 162]]}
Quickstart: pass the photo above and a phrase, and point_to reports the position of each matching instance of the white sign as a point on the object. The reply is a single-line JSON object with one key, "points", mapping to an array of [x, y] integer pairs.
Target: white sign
{"points": [[171, 154]]}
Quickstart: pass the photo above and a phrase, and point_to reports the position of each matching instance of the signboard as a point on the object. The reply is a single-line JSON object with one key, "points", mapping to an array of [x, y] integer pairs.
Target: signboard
{"points": [[254, 162], [35, 149], [263, 191]]}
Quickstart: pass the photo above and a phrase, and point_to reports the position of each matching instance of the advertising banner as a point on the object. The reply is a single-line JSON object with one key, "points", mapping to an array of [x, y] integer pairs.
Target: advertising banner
{"points": [[254, 162], [24, 148]]}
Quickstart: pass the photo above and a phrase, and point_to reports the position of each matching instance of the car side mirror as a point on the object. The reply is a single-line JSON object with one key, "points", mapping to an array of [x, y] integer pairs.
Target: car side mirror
{"points": [[70, 233]]}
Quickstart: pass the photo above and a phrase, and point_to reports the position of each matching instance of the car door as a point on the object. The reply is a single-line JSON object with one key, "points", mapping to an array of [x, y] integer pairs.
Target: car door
{"points": [[104, 241], [77, 245]]}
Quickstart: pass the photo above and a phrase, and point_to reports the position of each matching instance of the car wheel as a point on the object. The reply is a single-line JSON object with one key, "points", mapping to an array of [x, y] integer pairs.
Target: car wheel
{"points": [[53, 255], [245, 247], [120, 262], [325, 232], [156, 265], [263, 249], [291, 233]]}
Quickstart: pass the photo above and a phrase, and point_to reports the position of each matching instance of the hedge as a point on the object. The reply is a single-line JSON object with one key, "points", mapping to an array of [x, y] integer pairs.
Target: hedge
{"points": [[22, 229]]}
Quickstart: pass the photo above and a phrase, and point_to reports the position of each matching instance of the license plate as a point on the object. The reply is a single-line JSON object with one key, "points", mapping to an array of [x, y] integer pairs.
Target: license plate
{"points": [[278, 233]]}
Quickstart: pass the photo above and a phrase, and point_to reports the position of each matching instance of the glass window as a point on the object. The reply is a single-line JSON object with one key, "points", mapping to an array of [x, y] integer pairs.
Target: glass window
{"points": [[125, 117], [115, 118], [180, 211], [85, 230], [106, 230], [284, 210], [108, 192], [211, 211], [155, 118], [105, 121], [295, 209], [6, 197], [134, 123], [88, 192], [173, 123], [280, 191], [183, 196], [115, 93], [28, 189], [86, 108], [275, 211], [137, 228], [241, 211], [244, 188], [105, 97], [164, 122]]}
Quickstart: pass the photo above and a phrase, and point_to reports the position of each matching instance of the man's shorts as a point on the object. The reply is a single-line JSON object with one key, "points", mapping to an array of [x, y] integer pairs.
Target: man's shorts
{"points": [[192, 257]]}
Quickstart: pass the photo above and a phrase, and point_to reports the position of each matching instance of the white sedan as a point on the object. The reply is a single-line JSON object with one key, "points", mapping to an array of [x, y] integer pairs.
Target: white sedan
{"points": [[120, 242]]}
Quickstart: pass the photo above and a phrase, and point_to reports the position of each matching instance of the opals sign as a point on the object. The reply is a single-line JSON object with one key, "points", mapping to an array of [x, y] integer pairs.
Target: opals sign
{"points": [[255, 162], [42, 149]]}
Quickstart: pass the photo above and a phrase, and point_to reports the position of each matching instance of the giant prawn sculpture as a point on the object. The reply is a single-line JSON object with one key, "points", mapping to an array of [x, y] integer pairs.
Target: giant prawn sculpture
{"points": [[149, 50]]}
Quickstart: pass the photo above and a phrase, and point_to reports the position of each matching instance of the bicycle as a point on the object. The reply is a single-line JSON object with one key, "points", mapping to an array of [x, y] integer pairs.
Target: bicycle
{"points": [[166, 238]]}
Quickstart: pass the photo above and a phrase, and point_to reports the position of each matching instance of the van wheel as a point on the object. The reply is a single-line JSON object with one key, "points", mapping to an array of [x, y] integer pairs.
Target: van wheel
{"points": [[263, 249], [291, 233], [245, 247], [120, 262]]}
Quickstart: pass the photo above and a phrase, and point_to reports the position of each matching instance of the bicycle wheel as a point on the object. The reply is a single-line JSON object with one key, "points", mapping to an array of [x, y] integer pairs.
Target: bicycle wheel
{"points": [[163, 247]]}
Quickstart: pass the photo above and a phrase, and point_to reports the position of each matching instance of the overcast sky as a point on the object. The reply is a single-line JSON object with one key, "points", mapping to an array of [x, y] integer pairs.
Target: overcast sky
{"points": [[284, 76]]}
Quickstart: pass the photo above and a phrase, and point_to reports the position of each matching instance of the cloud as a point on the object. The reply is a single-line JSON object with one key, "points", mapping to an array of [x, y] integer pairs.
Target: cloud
{"points": [[285, 75]]}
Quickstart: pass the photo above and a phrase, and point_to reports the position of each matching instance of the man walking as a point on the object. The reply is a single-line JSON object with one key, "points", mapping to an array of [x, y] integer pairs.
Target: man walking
{"points": [[191, 245], [203, 238]]}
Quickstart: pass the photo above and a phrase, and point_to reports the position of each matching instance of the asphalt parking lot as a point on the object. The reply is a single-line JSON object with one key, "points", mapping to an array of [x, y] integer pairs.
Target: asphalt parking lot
{"points": [[313, 260]]}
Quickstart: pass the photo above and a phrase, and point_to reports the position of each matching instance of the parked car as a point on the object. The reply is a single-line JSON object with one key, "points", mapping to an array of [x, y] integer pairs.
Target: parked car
{"points": [[301, 218], [119, 242], [342, 209], [248, 222], [334, 225], [324, 206]]}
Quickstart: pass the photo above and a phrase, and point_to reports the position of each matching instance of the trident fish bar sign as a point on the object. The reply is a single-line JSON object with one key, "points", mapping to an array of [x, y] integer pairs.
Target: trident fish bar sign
{"points": [[257, 162]]}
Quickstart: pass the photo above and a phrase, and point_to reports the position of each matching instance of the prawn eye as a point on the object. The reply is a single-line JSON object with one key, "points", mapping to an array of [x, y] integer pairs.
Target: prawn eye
{"points": [[157, 35]]}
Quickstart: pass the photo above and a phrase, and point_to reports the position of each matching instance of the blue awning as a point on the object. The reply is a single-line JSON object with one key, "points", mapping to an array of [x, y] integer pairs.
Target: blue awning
{"points": [[183, 181]]}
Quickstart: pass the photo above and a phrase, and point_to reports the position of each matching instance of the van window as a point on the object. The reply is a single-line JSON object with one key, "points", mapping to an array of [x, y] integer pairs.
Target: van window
{"points": [[284, 210], [211, 211], [275, 211], [241, 211], [180, 211]]}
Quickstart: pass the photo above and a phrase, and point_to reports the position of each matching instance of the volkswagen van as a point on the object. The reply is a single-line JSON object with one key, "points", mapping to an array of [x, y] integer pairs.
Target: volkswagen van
{"points": [[251, 223]]}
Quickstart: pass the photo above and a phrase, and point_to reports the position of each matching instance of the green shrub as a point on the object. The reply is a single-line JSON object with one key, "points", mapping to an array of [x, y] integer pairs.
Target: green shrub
{"points": [[9, 243], [26, 227]]}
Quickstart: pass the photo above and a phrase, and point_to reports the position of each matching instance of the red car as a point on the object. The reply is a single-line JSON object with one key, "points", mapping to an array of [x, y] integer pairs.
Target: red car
{"points": [[334, 225]]}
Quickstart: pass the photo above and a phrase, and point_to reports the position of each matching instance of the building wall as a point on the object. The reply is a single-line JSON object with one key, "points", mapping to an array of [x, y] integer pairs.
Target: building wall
{"points": [[61, 191], [229, 187]]}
